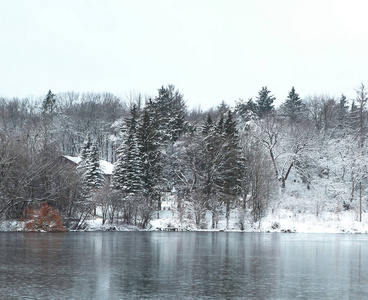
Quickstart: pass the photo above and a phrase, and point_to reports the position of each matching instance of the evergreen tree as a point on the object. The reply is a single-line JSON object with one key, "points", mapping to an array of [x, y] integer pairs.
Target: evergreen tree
{"points": [[207, 125], [210, 162], [127, 175], [231, 166], [222, 108], [133, 176], [149, 142], [359, 115], [168, 110], [120, 168], [293, 106], [353, 115], [220, 164], [246, 110], [48, 114], [265, 102], [92, 174], [343, 111], [49, 104], [220, 126], [85, 151]]}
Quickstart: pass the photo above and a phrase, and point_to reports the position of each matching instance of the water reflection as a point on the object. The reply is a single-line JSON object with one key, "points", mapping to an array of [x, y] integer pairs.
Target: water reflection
{"points": [[185, 265]]}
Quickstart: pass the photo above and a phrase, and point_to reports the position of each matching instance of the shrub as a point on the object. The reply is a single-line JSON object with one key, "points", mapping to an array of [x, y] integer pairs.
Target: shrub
{"points": [[346, 206], [275, 225], [46, 218]]}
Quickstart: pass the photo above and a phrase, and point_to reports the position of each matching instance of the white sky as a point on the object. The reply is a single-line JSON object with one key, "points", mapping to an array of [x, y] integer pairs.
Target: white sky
{"points": [[210, 50]]}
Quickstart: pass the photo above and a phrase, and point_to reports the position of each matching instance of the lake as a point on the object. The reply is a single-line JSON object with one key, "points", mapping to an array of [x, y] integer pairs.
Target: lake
{"points": [[183, 265]]}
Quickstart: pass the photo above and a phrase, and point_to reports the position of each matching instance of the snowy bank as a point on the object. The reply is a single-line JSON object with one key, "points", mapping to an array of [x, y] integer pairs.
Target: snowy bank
{"points": [[281, 220]]}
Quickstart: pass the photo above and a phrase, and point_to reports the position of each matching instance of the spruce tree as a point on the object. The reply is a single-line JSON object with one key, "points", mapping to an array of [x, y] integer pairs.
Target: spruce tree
{"points": [[168, 110], [293, 106], [207, 125], [92, 174], [210, 164], [359, 115], [149, 141], [48, 114], [231, 166], [246, 110], [220, 164], [86, 148], [265, 102], [49, 104], [127, 175], [343, 111]]}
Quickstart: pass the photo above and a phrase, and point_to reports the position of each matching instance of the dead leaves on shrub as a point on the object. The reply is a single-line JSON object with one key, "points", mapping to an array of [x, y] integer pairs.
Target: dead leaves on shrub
{"points": [[44, 219]]}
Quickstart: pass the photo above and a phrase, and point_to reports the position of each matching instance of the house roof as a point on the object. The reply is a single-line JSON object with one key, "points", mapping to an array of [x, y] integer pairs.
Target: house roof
{"points": [[74, 159], [107, 168]]}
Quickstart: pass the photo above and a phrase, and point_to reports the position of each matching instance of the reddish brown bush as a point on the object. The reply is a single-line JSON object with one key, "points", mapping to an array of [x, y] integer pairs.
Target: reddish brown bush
{"points": [[45, 218]]}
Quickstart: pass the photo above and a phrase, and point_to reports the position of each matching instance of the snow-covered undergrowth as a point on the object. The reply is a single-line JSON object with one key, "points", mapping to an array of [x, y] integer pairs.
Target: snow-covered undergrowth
{"points": [[96, 225], [281, 220], [296, 209], [11, 225]]}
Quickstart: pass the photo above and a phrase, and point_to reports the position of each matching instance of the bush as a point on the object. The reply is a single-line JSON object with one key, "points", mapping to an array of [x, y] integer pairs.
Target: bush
{"points": [[275, 225], [46, 219], [346, 206]]}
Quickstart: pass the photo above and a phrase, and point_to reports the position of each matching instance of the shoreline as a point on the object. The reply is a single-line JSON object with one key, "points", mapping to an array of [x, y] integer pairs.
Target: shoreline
{"points": [[281, 221]]}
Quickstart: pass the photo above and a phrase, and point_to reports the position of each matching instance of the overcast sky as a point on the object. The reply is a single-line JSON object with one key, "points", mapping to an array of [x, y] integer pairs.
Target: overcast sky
{"points": [[210, 50]]}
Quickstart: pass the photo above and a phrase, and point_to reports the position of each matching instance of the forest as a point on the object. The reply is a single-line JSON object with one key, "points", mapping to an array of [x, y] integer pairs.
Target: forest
{"points": [[307, 155]]}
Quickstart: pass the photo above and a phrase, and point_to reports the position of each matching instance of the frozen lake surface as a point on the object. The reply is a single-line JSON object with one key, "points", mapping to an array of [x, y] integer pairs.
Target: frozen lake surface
{"points": [[183, 265]]}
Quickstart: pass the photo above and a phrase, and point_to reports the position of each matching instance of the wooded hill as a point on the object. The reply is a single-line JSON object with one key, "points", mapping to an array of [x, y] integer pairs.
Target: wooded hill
{"points": [[308, 155]]}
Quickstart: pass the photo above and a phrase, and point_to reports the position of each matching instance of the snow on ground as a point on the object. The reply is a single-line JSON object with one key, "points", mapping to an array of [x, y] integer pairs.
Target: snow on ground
{"points": [[11, 225], [325, 222], [279, 221], [96, 225]]}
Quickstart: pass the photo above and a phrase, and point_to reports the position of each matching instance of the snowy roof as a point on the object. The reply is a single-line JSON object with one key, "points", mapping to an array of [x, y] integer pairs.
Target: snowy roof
{"points": [[106, 167], [74, 159]]}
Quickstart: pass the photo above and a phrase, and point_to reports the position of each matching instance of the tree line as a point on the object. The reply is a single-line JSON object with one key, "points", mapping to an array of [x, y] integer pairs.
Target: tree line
{"points": [[222, 160]]}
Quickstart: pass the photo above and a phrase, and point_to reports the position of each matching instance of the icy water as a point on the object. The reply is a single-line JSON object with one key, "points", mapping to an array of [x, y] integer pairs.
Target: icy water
{"points": [[183, 265]]}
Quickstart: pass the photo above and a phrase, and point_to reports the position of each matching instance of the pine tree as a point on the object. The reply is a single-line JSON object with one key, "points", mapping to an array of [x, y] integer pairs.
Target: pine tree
{"points": [[48, 114], [265, 102], [207, 125], [149, 142], [222, 108], [231, 167], [210, 162], [358, 115], [247, 110], [220, 126], [85, 151], [210, 155], [49, 104], [293, 106], [343, 111], [133, 176], [127, 175], [168, 110], [92, 174], [220, 163]]}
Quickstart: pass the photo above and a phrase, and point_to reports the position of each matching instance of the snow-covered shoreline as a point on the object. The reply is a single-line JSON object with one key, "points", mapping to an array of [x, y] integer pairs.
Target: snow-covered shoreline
{"points": [[283, 221]]}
